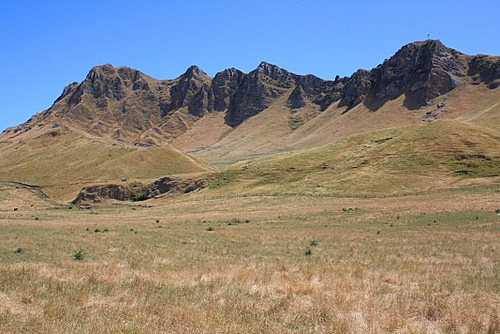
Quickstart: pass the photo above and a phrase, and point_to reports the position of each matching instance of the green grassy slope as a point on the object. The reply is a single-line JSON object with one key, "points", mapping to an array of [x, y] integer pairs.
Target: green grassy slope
{"points": [[410, 159]]}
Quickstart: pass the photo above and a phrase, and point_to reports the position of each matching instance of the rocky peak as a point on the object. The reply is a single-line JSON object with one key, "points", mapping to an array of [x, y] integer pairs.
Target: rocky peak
{"points": [[420, 70], [257, 91], [191, 86], [272, 71], [229, 75], [101, 71], [224, 84], [194, 72], [103, 81], [428, 69]]}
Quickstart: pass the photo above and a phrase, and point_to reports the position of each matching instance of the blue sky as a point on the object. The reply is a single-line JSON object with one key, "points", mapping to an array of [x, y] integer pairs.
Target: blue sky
{"points": [[46, 45]]}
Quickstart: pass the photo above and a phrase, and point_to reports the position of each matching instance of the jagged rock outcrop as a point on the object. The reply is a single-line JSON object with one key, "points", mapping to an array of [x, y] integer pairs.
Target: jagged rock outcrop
{"points": [[297, 98], [485, 69], [186, 90], [261, 87], [257, 91], [421, 70], [137, 191], [356, 88], [96, 193], [173, 185], [103, 82], [311, 89], [223, 87]]}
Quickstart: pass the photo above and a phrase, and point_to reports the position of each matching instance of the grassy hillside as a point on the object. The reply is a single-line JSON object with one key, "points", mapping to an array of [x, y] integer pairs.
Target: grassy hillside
{"points": [[61, 161], [415, 158], [15, 196]]}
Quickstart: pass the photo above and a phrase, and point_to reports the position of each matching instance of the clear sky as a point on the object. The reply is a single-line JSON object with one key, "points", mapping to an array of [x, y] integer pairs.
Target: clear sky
{"points": [[46, 45]]}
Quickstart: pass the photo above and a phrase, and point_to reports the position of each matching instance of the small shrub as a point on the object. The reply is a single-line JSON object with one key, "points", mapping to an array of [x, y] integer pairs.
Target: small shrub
{"points": [[308, 252], [295, 123], [78, 255], [137, 192], [133, 331], [314, 243], [233, 221], [97, 230], [18, 250], [210, 229]]}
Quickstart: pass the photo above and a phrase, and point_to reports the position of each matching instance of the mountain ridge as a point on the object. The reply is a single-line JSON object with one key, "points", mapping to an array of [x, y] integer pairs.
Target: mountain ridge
{"points": [[129, 106]]}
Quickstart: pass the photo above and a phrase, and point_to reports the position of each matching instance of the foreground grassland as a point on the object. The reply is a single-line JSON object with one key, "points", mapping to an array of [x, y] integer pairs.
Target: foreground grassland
{"points": [[255, 264]]}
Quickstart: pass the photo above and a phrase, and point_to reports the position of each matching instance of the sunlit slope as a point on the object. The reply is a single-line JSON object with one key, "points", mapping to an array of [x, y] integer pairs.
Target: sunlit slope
{"points": [[441, 154], [15, 196], [61, 161]]}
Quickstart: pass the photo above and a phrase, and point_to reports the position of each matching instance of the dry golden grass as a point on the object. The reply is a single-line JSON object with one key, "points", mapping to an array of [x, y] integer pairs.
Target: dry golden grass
{"points": [[62, 161], [256, 264]]}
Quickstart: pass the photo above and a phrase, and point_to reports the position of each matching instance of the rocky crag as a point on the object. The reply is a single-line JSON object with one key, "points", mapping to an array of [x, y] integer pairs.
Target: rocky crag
{"points": [[137, 191], [131, 107]]}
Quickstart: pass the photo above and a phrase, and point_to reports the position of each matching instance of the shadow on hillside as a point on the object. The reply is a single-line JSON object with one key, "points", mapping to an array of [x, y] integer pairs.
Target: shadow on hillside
{"points": [[374, 103]]}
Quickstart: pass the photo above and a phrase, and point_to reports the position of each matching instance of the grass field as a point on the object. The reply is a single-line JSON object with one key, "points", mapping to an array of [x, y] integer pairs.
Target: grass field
{"points": [[255, 264]]}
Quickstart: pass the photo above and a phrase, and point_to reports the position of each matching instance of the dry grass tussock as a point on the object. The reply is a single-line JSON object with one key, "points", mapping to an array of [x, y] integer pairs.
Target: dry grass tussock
{"points": [[283, 265]]}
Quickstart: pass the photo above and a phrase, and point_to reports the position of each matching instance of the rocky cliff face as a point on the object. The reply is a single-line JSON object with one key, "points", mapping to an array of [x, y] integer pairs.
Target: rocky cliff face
{"points": [[356, 88], [257, 91], [223, 87], [485, 69], [96, 193], [422, 71], [129, 106], [136, 191]]}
